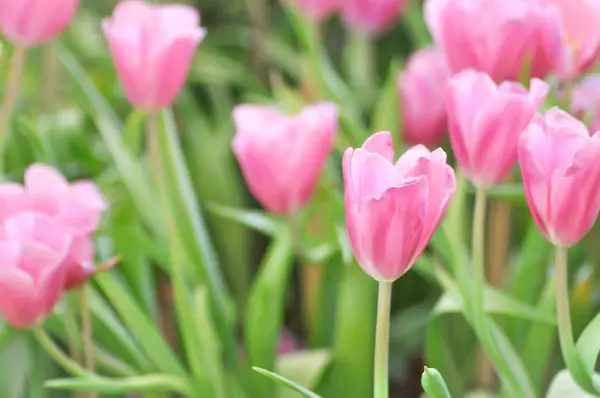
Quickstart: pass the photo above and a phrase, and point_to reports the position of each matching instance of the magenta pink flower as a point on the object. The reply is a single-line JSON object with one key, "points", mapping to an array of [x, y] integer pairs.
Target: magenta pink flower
{"points": [[75, 207], [485, 121], [392, 210], [33, 249], [498, 37], [152, 48], [585, 101], [318, 10], [579, 36], [281, 156], [371, 16], [423, 109], [31, 22], [561, 176]]}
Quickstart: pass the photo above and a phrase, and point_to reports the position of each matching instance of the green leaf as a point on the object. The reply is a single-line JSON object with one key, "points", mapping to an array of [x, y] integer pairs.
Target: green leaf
{"points": [[433, 383], [386, 114], [110, 127], [285, 382], [134, 132], [142, 327], [264, 314], [588, 344], [187, 221], [254, 219], [147, 383], [305, 367]]}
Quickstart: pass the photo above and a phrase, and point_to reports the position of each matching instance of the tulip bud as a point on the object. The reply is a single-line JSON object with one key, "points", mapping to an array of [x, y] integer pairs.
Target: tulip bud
{"points": [[32, 22], [282, 156], [152, 47], [561, 176], [318, 10], [371, 16], [434, 384], [33, 249], [585, 101], [392, 210], [485, 121], [423, 108]]}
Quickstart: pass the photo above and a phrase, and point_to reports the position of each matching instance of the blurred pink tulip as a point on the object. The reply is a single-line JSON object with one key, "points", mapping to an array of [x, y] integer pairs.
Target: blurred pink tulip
{"points": [[485, 121], [75, 207], [371, 16], [498, 37], [318, 10], [31, 22], [580, 35], [392, 210], [152, 47], [423, 106], [282, 156], [561, 176], [33, 249], [585, 101]]}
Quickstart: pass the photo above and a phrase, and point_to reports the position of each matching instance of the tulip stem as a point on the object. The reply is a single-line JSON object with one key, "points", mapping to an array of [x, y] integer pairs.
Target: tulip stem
{"points": [[59, 357], [11, 92], [382, 339], [478, 241]]}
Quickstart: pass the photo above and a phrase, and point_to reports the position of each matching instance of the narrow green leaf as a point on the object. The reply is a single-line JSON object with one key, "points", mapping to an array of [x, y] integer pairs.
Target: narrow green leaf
{"points": [[588, 344], [142, 327], [305, 367], [285, 382], [147, 383], [434, 385], [264, 314], [254, 219], [134, 132], [386, 114]]}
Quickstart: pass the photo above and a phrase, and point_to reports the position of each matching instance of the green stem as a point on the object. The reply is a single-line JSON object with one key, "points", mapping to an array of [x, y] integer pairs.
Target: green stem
{"points": [[382, 339], [11, 92], [360, 63], [478, 242], [87, 331], [59, 357]]}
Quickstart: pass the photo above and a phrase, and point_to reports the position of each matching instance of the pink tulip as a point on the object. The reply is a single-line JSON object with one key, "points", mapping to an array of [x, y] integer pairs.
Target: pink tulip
{"points": [[318, 10], [152, 48], [32, 252], [31, 22], [485, 121], [423, 107], [371, 16], [498, 37], [75, 207], [392, 210], [585, 101], [281, 156], [579, 33], [561, 176]]}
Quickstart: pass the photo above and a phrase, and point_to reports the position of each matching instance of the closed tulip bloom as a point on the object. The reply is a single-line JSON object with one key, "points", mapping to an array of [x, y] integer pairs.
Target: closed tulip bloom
{"points": [[392, 210], [318, 10], [423, 106], [561, 176], [579, 33], [152, 47], [31, 22], [371, 16], [75, 207], [485, 121], [33, 250], [281, 156], [585, 101], [499, 37]]}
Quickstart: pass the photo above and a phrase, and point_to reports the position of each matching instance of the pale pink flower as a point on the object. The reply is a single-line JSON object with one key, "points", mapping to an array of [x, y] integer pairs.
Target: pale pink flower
{"points": [[371, 16]]}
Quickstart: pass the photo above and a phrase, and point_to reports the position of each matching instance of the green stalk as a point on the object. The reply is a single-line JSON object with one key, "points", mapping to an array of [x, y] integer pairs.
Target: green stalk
{"points": [[382, 340], [58, 356], [11, 91]]}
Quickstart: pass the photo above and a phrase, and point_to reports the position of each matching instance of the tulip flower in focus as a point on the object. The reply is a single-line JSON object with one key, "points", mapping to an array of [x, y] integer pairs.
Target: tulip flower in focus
{"points": [[76, 208], [485, 121], [371, 16], [32, 22], [499, 37], [33, 250], [392, 210], [561, 176], [281, 156], [423, 107], [585, 101], [152, 47], [318, 10], [580, 35]]}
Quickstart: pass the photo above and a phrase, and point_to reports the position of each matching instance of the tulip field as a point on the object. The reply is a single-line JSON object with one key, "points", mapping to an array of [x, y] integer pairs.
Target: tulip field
{"points": [[299, 198]]}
